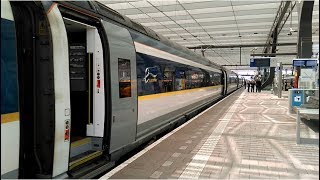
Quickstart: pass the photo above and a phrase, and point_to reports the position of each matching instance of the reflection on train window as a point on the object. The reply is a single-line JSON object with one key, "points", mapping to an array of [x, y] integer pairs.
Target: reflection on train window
{"points": [[124, 74], [157, 75]]}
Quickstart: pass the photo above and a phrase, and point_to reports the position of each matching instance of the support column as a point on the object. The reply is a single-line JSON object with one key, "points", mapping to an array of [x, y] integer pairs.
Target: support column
{"points": [[304, 47]]}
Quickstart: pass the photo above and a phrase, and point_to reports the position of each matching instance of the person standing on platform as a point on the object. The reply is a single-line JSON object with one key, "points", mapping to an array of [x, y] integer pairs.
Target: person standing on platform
{"points": [[245, 84], [252, 83], [258, 85], [248, 84]]}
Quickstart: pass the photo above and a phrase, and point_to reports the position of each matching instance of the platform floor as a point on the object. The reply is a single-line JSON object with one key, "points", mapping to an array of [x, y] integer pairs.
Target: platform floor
{"points": [[246, 135]]}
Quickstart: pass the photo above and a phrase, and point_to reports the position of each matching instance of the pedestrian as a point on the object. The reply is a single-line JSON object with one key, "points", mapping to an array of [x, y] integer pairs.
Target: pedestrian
{"points": [[286, 86], [245, 84], [258, 85], [248, 84], [252, 85]]}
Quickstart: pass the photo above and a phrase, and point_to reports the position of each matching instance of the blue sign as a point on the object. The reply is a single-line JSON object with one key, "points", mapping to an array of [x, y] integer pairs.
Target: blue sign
{"points": [[297, 98], [307, 63], [260, 62]]}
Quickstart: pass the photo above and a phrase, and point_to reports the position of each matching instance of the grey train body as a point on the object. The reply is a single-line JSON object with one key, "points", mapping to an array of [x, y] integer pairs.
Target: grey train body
{"points": [[96, 76]]}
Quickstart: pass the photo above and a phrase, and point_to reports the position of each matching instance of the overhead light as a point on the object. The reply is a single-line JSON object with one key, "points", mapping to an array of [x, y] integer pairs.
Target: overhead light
{"points": [[293, 30]]}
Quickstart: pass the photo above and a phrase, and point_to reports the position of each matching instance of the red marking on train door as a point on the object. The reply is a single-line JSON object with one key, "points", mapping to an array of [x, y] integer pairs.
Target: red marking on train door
{"points": [[67, 131], [98, 83]]}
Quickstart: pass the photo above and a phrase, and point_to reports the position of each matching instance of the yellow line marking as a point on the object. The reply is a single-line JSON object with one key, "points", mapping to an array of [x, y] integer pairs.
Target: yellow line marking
{"points": [[153, 96], [82, 160], [10, 117], [80, 142]]}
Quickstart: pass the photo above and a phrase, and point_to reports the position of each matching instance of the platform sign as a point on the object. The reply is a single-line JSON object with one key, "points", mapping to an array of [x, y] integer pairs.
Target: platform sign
{"points": [[305, 63], [260, 62]]}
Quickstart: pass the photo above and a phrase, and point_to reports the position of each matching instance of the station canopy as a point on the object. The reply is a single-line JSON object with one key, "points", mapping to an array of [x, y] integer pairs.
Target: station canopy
{"points": [[221, 23]]}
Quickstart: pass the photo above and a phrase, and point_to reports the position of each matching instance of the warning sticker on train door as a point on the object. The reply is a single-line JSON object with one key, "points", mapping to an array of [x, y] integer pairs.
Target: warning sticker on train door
{"points": [[42, 28], [67, 130]]}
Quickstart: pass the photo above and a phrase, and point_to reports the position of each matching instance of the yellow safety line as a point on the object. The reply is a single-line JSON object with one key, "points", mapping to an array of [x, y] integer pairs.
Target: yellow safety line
{"points": [[10, 117], [80, 142], [153, 96], [84, 159]]}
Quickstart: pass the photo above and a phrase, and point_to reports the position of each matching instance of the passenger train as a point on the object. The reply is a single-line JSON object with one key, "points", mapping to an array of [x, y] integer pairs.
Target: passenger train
{"points": [[82, 85]]}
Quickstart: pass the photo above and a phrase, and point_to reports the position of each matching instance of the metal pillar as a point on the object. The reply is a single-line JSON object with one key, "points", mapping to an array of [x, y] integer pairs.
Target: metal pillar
{"points": [[279, 77], [304, 45], [202, 52]]}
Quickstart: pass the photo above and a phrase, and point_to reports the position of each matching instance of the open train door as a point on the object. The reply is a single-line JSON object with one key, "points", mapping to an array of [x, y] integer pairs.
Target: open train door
{"points": [[44, 104], [224, 81]]}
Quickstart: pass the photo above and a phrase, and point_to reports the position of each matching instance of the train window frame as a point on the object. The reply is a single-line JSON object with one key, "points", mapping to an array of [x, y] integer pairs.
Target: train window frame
{"points": [[123, 92]]}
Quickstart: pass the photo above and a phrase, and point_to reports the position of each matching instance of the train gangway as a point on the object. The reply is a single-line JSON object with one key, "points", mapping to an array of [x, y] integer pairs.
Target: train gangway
{"points": [[246, 135]]}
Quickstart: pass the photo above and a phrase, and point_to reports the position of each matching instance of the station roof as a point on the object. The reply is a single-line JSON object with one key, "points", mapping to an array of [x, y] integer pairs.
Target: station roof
{"points": [[193, 23]]}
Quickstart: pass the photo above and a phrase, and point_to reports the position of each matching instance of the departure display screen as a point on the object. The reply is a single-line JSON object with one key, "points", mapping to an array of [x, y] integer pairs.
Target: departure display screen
{"points": [[299, 63], [260, 62], [311, 63]]}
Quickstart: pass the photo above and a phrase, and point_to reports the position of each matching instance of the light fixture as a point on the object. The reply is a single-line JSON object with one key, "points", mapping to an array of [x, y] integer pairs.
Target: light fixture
{"points": [[291, 29]]}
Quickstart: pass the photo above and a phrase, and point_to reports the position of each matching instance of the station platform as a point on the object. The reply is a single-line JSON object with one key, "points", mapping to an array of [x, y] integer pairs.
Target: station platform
{"points": [[244, 136]]}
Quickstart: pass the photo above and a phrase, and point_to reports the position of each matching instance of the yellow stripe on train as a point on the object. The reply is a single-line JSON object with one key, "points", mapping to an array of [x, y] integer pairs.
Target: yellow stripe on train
{"points": [[10, 117], [153, 96]]}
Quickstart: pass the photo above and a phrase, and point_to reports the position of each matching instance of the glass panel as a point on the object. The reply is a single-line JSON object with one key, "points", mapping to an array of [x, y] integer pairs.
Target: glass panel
{"points": [[124, 74]]}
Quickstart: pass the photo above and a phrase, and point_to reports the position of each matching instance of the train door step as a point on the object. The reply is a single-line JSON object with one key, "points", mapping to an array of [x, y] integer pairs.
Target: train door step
{"points": [[80, 146], [83, 158], [92, 170]]}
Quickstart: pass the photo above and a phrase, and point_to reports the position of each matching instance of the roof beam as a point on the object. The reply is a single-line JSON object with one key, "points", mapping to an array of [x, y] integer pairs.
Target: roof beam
{"points": [[274, 54], [278, 24], [238, 45]]}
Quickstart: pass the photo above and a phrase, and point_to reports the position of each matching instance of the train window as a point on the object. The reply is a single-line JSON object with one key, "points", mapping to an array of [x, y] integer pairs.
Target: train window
{"points": [[215, 79], [124, 75]]}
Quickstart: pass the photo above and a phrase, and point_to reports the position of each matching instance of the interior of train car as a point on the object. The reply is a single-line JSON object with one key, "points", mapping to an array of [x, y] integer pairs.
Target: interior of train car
{"points": [[85, 82]]}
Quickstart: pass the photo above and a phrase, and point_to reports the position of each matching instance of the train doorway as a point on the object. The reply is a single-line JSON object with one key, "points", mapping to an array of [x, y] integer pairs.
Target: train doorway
{"points": [[87, 100]]}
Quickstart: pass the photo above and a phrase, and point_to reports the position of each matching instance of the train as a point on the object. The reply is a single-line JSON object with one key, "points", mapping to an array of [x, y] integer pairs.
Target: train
{"points": [[82, 86]]}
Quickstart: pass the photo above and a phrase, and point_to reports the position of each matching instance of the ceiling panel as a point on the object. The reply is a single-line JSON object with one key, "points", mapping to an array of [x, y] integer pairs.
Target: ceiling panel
{"points": [[207, 22]]}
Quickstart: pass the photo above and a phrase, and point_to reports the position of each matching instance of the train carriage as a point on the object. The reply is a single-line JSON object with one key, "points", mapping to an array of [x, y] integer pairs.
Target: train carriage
{"points": [[92, 86]]}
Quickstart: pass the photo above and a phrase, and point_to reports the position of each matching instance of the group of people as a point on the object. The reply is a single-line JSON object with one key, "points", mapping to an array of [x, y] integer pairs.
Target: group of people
{"points": [[251, 84]]}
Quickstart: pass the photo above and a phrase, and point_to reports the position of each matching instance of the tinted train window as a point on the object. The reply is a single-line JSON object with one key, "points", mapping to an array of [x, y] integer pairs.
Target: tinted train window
{"points": [[215, 79], [157, 75], [124, 75]]}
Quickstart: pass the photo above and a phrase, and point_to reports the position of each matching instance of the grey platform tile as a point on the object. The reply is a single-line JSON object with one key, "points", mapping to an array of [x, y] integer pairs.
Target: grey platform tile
{"points": [[156, 174], [167, 163], [176, 155], [257, 143]]}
